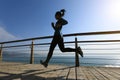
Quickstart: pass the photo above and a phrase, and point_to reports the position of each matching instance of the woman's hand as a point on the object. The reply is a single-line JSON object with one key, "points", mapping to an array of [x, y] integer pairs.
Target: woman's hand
{"points": [[52, 24]]}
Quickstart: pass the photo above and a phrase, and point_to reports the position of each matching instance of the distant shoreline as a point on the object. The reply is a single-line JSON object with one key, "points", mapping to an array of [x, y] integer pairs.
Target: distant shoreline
{"points": [[68, 60]]}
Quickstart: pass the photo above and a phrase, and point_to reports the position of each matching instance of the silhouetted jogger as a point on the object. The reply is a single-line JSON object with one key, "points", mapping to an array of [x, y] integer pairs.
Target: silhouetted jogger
{"points": [[58, 38]]}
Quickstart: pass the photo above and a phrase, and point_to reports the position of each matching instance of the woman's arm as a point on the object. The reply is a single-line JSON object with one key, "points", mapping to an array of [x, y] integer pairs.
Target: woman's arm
{"points": [[52, 24], [63, 22]]}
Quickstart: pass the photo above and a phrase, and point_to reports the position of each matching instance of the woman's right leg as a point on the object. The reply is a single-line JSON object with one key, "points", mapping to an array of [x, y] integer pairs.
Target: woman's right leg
{"points": [[51, 49]]}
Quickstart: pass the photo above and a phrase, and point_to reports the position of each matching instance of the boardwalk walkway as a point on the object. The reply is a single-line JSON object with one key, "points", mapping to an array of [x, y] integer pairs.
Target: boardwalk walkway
{"points": [[19, 71]]}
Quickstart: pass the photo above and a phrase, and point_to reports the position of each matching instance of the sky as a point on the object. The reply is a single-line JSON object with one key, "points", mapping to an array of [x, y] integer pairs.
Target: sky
{"points": [[20, 19]]}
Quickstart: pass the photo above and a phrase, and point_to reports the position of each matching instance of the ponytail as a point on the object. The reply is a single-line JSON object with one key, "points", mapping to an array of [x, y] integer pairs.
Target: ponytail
{"points": [[62, 12]]}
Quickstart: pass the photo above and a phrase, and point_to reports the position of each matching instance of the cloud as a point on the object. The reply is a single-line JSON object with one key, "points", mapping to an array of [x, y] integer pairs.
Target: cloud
{"points": [[5, 36]]}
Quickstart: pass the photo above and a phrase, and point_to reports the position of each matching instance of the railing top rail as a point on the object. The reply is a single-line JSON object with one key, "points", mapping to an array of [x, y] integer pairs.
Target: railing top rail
{"points": [[66, 35], [89, 41]]}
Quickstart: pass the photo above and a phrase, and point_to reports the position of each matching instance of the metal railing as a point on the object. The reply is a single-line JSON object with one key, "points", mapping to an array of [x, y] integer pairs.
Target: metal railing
{"points": [[31, 43]]}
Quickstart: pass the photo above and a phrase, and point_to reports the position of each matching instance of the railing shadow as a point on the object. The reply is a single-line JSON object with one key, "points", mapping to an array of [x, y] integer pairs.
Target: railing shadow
{"points": [[33, 75]]}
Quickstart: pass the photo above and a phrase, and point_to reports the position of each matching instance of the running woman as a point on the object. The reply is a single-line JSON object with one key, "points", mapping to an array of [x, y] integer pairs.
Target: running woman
{"points": [[58, 38]]}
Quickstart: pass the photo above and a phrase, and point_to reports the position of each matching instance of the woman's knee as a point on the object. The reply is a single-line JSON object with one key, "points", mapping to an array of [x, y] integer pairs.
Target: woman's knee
{"points": [[63, 50]]}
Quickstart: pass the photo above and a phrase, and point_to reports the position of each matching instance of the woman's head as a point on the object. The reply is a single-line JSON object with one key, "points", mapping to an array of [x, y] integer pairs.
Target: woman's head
{"points": [[59, 14]]}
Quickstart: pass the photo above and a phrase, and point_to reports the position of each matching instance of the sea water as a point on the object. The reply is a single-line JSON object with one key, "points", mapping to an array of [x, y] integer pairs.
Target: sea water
{"points": [[87, 60]]}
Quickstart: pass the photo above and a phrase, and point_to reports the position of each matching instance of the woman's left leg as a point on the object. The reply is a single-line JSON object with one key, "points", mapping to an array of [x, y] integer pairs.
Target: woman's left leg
{"points": [[62, 47]]}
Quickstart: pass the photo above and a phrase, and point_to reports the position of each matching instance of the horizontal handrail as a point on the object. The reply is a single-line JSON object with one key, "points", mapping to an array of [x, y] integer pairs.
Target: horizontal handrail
{"points": [[65, 35], [91, 41]]}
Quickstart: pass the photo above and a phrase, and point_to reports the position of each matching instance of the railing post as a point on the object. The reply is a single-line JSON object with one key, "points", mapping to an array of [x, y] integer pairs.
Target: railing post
{"points": [[1, 53], [32, 54], [76, 54]]}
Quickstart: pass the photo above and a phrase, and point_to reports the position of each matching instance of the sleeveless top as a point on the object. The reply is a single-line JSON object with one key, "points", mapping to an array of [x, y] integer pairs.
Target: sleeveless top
{"points": [[58, 26]]}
